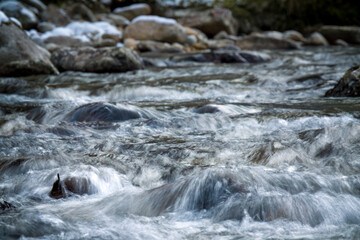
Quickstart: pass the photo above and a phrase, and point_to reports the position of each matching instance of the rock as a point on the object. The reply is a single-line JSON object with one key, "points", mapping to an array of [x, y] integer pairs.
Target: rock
{"points": [[133, 11], [20, 56], [79, 11], [45, 27], [341, 42], [65, 41], [55, 15], [35, 4], [222, 44], [207, 109], [263, 42], [130, 43], [101, 112], [154, 46], [317, 39], [346, 33], [223, 56], [100, 60], [156, 29], [294, 35], [273, 34], [200, 36], [348, 85], [19, 11], [211, 21], [69, 186], [4, 205], [114, 19], [107, 42]]}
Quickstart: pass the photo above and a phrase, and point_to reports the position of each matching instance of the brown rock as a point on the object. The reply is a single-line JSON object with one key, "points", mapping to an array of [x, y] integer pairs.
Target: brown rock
{"points": [[211, 21], [317, 39], [133, 11], [79, 11], [156, 29], [346, 33], [55, 15], [130, 43], [98, 60], [294, 35]]}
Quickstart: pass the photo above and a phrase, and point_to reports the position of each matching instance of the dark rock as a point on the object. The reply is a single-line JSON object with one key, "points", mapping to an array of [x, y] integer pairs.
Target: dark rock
{"points": [[348, 85], [211, 21], [156, 29], [37, 115], [55, 15], [224, 56], [65, 41], [207, 109], [69, 186], [20, 56], [263, 42], [294, 35], [346, 33], [79, 11], [4, 205], [134, 10], [61, 131], [101, 112], [341, 42], [98, 60], [19, 11]]}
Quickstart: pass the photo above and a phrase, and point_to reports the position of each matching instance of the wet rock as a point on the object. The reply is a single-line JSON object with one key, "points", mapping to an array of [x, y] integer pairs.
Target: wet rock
{"points": [[19, 11], [69, 186], [294, 35], [211, 21], [79, 11], [65, 41], [348, 86], [98, 60], [346, 33], [114, 19], [207, 109], [224, 56], [101, 112], [20, 56], [133, 11], [263, 42], [55, 15], [341, 42], [222, 44], [45, 27], [156, 29], [4, 205], [35, 4], [101, 43], [154, 46], [317, 39]]}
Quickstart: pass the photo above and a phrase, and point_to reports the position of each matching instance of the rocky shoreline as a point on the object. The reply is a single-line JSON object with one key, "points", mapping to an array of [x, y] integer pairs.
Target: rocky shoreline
{"points": [[47, 39]]}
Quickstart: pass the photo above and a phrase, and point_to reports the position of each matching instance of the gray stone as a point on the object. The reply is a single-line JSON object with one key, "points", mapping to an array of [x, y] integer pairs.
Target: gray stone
{"points": [[20, 56], [263, 42], [45, 27], [317, 39], [98, 60]]}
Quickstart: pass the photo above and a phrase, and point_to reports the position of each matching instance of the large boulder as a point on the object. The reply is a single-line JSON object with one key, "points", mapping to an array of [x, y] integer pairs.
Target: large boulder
{"points": [[19, 55], [19, 11], [348, 85], [133, 11], [211, 21], [263, 42], [98, 60], [156, 29], [346, 33]]}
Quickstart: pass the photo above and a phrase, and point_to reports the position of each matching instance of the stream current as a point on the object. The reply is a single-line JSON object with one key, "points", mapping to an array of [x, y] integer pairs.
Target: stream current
{"points": [[193, 151]]}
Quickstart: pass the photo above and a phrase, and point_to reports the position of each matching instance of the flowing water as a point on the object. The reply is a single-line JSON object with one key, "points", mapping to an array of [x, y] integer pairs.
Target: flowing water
{"points": [[197, 151]]}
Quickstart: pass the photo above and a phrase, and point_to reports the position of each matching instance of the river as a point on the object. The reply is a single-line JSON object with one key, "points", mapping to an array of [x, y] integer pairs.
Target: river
{"points": [[190, 151]]}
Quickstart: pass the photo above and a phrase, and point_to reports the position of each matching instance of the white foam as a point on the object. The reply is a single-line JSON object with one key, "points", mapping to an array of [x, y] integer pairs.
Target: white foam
{"points": [[152, 18]]}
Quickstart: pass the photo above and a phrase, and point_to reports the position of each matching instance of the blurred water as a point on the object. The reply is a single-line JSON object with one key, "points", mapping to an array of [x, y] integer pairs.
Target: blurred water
{"points": [[249, 151]]}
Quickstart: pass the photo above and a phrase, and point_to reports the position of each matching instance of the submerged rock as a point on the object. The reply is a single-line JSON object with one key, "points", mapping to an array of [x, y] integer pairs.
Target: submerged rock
{"points": [[211, 21], [347, 33], [69, 186], [133, 11], [263, 42], [224, 56], [101, 112], [156, 29], [4, 205], [20, 56], [348, 85], [97, 60]]}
